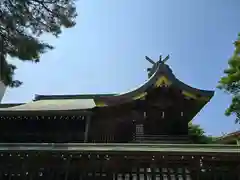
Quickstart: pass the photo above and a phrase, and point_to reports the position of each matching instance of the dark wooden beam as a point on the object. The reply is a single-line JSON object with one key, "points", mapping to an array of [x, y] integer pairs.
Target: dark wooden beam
{"points": [[87, 125]]}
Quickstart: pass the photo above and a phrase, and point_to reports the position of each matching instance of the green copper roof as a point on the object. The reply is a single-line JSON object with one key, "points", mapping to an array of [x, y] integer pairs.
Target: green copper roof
{"points": [[80, 102], [112, 99], [54, 105]]}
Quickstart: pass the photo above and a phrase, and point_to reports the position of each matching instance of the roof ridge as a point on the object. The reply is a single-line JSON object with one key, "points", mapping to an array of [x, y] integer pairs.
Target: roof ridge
{"points": [[69, 96]]}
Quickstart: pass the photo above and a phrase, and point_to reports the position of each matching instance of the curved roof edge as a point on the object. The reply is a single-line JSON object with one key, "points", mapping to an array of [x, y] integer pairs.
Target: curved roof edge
{"points": [[162, 70], [162, 74]]}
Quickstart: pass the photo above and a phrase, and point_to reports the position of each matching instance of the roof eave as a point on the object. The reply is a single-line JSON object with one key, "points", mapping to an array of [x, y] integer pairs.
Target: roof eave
{"points": [[46, 112]]}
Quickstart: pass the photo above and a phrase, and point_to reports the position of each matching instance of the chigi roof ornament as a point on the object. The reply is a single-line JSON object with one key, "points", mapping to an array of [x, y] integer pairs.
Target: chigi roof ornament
{"points": [[155, 64], [160, 61]]}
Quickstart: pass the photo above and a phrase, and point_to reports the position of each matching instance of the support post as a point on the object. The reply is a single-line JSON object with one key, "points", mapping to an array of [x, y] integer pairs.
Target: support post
{"points": [[238, 142], [88, 119], [67, 169]]}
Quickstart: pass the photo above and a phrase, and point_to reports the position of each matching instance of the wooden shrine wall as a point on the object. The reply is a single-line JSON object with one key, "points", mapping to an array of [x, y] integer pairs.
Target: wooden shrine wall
{"points": [[42, 129], [117, 166]]}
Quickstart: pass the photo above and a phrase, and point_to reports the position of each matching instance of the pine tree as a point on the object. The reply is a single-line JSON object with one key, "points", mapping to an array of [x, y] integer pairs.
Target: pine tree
{"points": [[230, 83], [22, 22]]}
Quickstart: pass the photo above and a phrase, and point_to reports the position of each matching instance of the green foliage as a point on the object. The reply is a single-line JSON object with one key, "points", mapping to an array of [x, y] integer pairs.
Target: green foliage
{"points": [[230, 83], [197, 135], [21, 24]]}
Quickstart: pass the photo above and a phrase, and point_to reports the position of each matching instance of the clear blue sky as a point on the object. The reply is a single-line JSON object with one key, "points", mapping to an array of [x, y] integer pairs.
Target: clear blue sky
{"points": [[105, 52]]}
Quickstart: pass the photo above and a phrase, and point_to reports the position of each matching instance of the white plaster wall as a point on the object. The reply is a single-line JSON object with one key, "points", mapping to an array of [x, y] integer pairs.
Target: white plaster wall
{"points": [[2, 90]]}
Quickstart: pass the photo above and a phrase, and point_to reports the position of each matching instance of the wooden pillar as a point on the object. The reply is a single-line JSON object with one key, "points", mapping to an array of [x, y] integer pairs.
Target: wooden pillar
{"points": [[87, 125], [238, 141], [67, 169], [195, 168], [237, 172]]}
